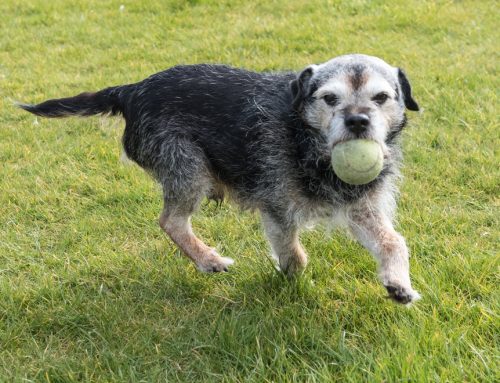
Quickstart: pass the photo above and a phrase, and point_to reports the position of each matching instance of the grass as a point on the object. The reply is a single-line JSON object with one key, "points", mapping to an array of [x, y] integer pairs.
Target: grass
{"points": [[90, 288]]}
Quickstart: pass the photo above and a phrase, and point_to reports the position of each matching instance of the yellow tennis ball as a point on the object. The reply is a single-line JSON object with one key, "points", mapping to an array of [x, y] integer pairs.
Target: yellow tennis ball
{"points": [[357, 162]]}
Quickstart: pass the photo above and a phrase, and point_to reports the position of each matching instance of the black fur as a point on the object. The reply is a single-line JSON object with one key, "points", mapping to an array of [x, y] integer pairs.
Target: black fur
{"points": [[203, 130], [410, 103], [395, 132], [105, 101], [239, 119], [301, 88]]}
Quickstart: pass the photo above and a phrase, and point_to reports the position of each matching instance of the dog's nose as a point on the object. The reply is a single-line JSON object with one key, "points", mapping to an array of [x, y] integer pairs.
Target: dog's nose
{"points": [[357, 123]]}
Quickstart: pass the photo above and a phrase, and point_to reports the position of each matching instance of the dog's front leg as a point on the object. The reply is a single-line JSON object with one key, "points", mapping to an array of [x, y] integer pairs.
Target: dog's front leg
{"points": [[374, 230], [286, 248]]}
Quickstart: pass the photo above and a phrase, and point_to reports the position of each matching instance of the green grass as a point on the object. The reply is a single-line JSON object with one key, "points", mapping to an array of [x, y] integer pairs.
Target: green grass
{"points": [[90, 288]]}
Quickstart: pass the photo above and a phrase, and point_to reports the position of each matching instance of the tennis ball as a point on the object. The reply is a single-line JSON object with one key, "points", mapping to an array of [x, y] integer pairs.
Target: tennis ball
{"points": [[357, 162]]}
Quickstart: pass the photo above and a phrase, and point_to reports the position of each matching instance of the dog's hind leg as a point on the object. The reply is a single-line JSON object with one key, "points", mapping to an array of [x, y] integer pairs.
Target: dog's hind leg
{"points": [[178, 227], [186, 181], [285, 245]]}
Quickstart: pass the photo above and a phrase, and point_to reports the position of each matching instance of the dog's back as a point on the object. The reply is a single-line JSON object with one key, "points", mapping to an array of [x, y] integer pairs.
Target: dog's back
{"points": [[216, 106]]}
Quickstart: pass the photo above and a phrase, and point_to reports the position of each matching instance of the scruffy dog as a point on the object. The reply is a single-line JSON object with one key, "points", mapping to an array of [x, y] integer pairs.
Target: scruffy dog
{"points": [[265, 140]]}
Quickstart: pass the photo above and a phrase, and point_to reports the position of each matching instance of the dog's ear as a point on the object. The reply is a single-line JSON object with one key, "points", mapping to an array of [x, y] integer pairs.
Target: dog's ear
{"points": [[410, 103], [300, 87]]}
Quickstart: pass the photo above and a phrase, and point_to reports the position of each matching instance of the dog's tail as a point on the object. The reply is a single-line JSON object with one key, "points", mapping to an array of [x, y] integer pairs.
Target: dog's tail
{"points": [[106, 101]]}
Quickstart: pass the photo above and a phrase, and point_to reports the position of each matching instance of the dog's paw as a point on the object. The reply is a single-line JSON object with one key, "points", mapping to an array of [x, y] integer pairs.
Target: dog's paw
{"points": [[214, 263], [403, 295], [292, 265]]}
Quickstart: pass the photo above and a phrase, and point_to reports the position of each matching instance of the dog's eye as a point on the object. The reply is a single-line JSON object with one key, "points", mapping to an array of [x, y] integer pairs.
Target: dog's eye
{"points": [[331, 99], [380, 98]]}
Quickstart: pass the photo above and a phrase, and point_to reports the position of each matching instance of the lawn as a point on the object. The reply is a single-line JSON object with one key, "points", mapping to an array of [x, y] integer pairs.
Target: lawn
{"points": [[92, 290]]}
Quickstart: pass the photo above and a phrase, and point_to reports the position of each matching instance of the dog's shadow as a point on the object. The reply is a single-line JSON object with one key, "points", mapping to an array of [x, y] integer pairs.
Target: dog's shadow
{"points": [[158, 312], [167, 314], [243, 315]]}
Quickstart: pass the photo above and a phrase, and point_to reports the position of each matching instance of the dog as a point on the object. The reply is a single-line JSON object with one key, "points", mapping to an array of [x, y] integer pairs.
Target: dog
{"points": [[264, 140]]}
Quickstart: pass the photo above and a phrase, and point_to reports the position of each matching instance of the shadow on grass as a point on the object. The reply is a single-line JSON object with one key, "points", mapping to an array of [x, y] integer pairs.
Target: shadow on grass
{"points": [[163, 319]]}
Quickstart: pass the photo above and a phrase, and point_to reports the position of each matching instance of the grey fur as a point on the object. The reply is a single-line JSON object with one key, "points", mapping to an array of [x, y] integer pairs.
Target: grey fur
{"points": [[265, 140]]}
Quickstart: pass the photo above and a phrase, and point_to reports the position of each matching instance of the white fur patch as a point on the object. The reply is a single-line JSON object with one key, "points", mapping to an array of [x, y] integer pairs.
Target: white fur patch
{"points": [[336, 85], [377, 84]]}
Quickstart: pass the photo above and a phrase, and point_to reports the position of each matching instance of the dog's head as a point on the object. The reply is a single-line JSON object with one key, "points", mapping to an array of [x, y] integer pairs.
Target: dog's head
{"points": [[353, 96]]}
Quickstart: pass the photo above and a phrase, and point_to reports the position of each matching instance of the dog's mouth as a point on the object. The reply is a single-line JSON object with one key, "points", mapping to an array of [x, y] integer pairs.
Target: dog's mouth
{"points": [[343, 135], [361, 137], [383, 146]]}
